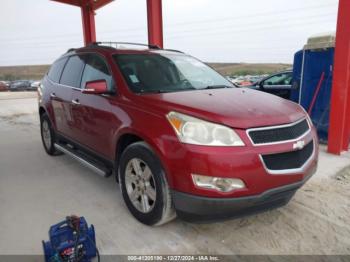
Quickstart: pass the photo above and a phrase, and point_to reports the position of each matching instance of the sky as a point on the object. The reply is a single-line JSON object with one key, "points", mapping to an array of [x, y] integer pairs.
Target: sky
{"points": [[253, 31]]}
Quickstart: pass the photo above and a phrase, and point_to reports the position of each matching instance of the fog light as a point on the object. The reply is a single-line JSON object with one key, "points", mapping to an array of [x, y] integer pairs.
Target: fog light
{"points": [[218, 183]]}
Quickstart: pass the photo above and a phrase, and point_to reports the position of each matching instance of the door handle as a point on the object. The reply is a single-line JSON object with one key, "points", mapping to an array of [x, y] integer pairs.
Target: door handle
{"points": [[75, 102], [53, 95]]}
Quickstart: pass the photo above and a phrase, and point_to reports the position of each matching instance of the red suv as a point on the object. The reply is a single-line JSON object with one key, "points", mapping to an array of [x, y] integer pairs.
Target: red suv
{"points": [[180, 138]]}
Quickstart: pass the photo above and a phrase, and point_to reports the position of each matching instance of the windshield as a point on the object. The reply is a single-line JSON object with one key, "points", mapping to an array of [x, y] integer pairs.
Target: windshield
{"points": [[150, 73]]}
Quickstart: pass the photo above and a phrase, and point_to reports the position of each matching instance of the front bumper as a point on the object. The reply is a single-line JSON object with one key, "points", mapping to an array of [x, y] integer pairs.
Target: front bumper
{"points": [[243, 163], [204, 209]]}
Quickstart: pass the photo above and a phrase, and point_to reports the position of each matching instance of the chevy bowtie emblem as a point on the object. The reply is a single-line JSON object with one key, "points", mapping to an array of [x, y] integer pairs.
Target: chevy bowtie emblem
{"points": [[299, 145]]}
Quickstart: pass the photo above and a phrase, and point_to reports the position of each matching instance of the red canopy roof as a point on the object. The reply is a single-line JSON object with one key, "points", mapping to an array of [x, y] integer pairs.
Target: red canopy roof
{"points": [[95, 4]]}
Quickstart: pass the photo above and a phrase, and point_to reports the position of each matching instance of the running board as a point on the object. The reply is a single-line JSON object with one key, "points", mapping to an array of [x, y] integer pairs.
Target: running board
{"points": [[96, 167]]}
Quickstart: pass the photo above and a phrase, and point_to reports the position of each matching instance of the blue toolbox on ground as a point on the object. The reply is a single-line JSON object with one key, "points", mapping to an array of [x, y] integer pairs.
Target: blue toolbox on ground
{"points": [[71, 240]]}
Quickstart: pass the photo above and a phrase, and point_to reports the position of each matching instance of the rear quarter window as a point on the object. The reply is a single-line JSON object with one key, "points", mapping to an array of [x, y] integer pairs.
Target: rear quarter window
{"points": [[56, 70]]}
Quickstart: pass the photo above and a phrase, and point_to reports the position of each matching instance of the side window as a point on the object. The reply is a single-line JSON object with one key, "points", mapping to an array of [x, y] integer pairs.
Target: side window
{"points": [[281, 79], [72, 72], [96, 69], [289, 79], [56, 70]]}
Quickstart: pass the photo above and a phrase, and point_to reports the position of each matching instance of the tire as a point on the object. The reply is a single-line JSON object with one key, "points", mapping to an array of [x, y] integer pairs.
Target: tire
{"points": [[48, 135], [144, 186]]}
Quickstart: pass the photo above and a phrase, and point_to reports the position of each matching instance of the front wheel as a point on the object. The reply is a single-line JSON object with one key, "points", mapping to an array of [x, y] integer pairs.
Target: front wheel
{"points": [[144, 186]]}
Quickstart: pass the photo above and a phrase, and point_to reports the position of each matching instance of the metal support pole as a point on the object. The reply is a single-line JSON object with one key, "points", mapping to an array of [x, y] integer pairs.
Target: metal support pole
{"points": [[339, 125], [88, 19], [155, 22]]}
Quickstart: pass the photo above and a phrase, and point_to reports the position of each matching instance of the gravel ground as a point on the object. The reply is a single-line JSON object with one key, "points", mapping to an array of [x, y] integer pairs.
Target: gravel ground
{"points": [[37, 190]]}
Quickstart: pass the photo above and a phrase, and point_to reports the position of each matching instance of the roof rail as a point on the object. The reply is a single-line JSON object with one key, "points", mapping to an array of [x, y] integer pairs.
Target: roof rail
{"points": [[110, 44], [174, 50]]}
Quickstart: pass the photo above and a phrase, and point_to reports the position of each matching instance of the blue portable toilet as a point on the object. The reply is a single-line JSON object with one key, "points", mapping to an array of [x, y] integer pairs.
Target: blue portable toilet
{"points": [[312, 80]]}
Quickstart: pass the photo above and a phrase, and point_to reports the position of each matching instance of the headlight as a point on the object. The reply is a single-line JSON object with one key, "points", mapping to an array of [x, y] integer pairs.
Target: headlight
{"points": [[191, 130], [217, 183]]}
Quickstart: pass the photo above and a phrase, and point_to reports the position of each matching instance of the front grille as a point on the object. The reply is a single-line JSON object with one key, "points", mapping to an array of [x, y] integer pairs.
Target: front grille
{"points": [[288, 160], [279, 134]]}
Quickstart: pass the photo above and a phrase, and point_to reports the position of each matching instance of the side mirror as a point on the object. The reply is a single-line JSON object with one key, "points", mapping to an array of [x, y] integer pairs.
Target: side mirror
{"points": [[96, 87]]}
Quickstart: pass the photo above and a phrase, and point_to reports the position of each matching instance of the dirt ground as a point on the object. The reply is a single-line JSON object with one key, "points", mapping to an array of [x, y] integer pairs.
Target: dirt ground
{"points": [[37, 190]]}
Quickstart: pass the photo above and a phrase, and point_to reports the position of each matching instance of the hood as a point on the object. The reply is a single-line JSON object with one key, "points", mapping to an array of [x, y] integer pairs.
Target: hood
{"points": [[235, 107]]}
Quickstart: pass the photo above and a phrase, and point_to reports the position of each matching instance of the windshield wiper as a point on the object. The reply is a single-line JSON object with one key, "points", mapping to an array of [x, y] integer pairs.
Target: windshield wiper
{"points": [[217, 87], [154, 91], [160, 91]]}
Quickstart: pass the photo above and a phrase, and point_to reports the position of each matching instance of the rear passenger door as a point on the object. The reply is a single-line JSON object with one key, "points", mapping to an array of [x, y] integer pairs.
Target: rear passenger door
{"points": [[52, 91], [94, 122], [69, 81]]}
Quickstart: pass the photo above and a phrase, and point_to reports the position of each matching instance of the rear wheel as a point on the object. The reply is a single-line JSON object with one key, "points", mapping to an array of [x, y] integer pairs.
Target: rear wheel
{"points": [[144, 186], [48, 135]]}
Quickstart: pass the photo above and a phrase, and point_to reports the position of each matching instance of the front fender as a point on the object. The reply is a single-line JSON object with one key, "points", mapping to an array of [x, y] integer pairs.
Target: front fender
{"points": [[155, 135]]}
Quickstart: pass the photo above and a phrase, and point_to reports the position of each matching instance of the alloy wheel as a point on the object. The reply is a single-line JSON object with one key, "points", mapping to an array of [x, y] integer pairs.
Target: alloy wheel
{"points": [[140, 185]]}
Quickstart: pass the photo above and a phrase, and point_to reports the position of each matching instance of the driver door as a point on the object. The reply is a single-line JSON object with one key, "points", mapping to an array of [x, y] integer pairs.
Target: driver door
{"points": [[94, 121]]}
